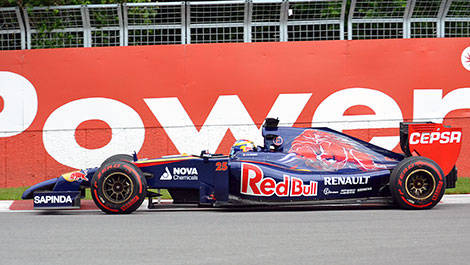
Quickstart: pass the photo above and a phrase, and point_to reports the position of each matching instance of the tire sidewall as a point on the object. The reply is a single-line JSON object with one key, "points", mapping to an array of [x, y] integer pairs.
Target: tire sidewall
{"points": [[138, 191], [404, 170], [118, 157]]}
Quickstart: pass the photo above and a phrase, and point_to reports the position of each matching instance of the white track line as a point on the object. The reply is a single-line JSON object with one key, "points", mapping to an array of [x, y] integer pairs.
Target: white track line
{"points": [[145, 204], [456, 199], [447, 199], [5, 206]]}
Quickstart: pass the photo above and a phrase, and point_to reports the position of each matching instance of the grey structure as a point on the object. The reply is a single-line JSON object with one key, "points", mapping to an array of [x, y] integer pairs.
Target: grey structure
{"points": [[74, 26], [56, 27], [12, 31], [187, 22], [457, 19], [425, 19], [154, 23], [383, 21]]}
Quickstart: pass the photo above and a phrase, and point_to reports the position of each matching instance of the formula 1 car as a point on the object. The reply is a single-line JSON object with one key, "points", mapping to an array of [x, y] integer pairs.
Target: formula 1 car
{"points": [[295, 166]]}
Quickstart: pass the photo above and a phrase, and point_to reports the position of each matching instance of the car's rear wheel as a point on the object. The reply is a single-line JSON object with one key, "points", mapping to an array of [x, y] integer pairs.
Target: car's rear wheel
{"points": [[417, 183], [118, 187]]}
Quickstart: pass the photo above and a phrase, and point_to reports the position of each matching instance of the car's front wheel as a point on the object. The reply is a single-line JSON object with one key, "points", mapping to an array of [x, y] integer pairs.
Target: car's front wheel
{"points": [[118, 157], [118, 187]]}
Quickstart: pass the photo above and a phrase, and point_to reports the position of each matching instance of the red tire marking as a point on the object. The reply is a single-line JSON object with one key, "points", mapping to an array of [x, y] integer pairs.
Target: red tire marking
{"points": [[104, 206], [415, 206], [136, 174], [130, 203], [431, 166]]}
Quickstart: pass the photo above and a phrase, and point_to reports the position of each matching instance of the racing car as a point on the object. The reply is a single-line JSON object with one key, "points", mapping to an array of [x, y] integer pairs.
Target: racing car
{"points": [[295, 166]]}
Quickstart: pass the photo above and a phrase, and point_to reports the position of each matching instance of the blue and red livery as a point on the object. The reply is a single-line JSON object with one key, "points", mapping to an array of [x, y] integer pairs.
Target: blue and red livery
{"points": [[295, 166]]}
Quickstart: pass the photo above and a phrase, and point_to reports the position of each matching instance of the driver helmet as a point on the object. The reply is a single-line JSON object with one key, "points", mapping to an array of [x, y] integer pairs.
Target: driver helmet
{"points": [[242, 146]]}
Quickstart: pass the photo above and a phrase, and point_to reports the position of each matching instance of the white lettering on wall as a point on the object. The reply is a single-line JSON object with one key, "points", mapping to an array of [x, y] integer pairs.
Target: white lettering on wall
{"points": [[330, 113], [227, 113], [429, 105], [128, 131], [20, 104]]}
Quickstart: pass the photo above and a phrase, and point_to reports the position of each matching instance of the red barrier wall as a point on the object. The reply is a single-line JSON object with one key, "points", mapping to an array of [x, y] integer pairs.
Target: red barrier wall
{"points": [[160, 100]]}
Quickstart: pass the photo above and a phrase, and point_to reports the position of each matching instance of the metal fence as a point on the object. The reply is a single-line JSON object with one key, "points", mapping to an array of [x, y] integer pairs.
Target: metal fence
{"points": [[457, 19], [152, 23], [408, 19], [230, 21], [12, 31]]}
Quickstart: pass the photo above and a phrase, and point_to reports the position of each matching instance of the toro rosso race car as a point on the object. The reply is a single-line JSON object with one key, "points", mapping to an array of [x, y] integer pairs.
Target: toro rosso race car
{"points": [[316, 166]]}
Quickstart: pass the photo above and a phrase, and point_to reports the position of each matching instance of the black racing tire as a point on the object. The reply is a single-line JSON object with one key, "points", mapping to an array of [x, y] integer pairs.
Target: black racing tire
{"points": [[417, 183], [118, 157], [118, 187]]}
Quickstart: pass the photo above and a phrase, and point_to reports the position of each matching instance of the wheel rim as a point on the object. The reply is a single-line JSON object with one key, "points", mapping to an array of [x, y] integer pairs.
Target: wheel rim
{"points": [[420, 184], [117, 187]]}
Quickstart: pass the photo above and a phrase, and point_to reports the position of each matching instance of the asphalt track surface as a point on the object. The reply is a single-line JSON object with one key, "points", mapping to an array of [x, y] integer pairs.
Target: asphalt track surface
{"points": [[198, 236]]}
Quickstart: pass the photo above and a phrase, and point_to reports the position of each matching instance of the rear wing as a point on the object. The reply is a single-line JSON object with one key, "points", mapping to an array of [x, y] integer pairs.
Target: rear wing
{"points": [[432, 140]]}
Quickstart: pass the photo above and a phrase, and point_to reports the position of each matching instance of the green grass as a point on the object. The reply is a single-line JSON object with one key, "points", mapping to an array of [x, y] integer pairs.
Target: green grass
{"points": [[12, 193], [463, 186]]}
